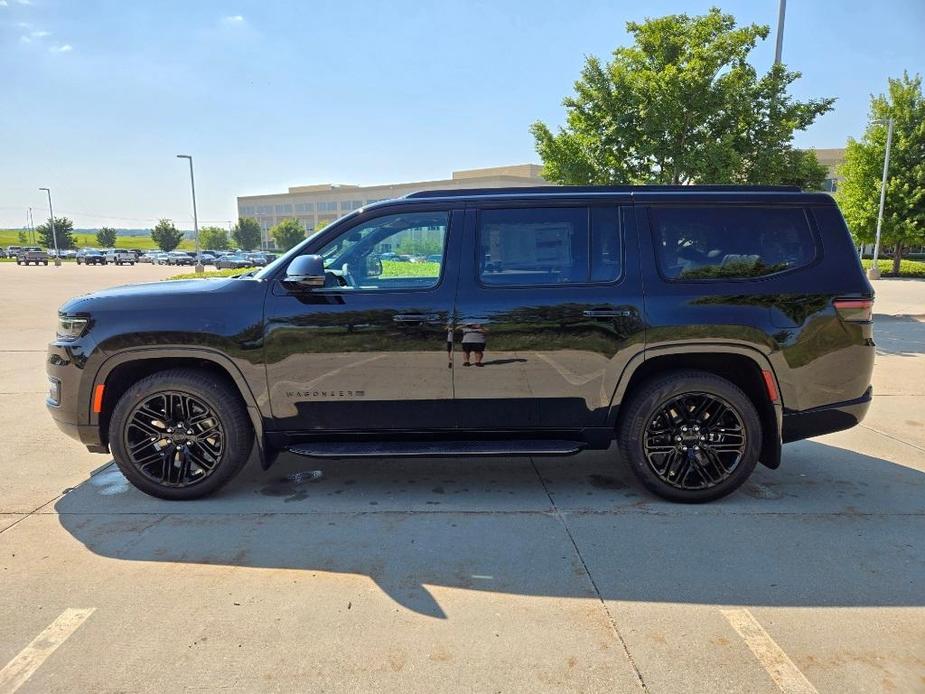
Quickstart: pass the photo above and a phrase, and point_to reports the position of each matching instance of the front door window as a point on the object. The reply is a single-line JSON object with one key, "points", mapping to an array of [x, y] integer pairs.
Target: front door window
{"points": [[394, 252]]}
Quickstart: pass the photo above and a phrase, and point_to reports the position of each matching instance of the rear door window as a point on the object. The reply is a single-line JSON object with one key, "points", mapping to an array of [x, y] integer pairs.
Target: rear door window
{"points": [[546, 246], [730, 242]]}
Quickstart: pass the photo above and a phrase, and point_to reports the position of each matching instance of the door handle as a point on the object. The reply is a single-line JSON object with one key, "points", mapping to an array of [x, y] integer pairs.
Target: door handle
{"points": [[416, 317], [606, 313]]}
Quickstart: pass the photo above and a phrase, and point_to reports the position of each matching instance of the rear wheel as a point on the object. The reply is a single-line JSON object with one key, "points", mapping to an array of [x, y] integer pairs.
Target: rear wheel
{"points": [[180, 434], [690, 436]]}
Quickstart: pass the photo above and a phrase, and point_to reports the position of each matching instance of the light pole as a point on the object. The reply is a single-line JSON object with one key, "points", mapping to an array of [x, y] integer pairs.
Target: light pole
{"points": [[874, 272], [199, 267], [54, 235], [781, 11]]}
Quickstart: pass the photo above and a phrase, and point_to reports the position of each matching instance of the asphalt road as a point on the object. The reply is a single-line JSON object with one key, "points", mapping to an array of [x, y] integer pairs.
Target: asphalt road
{"points": [[449, 575]]}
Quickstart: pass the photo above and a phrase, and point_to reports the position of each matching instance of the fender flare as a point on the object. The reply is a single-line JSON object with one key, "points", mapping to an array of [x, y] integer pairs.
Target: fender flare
{"points": [[771, 449], [203, 353]]}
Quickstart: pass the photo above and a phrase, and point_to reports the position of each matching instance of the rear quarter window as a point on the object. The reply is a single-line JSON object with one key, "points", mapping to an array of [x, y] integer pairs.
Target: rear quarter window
{"points": [[730, 242]]}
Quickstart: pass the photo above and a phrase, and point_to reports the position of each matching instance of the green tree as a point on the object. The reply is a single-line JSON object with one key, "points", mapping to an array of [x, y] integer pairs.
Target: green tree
{"points": [[858, 194], [106, 237], [247, 233], [288, 233], [22, 238], [682, 105], [166, 235], [213, 238], [64, 230]]}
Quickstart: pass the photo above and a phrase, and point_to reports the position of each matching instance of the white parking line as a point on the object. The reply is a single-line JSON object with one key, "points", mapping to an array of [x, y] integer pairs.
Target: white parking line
{"points": [[785, 674], [30, 658]]}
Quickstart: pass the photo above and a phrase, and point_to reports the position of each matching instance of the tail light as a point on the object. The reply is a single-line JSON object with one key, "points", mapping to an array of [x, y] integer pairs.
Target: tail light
{"points": [[855, 310]]}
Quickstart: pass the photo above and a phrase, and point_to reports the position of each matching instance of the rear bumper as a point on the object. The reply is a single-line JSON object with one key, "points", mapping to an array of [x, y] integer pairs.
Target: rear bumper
{"points": [[826, 419]]}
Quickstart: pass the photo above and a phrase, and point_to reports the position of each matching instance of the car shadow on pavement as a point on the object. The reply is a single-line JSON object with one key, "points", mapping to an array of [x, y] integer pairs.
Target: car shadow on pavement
{"points": [[832, 527], [903, 335]]}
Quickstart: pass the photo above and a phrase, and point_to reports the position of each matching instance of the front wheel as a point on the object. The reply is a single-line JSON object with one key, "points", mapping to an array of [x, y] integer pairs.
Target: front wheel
{"points": [[690, 436], [180, 434]]}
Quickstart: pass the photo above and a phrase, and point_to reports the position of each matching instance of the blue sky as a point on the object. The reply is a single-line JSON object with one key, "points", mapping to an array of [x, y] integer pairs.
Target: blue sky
{"points": [[97, 97]]}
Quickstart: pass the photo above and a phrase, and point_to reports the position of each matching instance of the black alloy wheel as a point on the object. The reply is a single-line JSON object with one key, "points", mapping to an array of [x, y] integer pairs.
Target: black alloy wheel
{"points": [[694, 441], [174, 439], [689, 436], [180, 433]]}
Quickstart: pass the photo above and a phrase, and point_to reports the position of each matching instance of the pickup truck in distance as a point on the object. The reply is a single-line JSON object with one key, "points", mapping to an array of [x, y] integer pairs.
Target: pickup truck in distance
{"points": [[119, 256], [32, 255], [698, 327]]}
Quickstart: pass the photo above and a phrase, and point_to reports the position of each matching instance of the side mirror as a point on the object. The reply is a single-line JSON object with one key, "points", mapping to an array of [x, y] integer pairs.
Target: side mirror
{"points": [[305, 272], [373, 266]]}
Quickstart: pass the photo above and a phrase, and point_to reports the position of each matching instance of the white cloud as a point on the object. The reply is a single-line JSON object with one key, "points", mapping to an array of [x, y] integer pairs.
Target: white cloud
{"points": [[233, 19], [40, 34], [24, 2], [63, 48], [3, 3], [22, 25], [25, 39]]}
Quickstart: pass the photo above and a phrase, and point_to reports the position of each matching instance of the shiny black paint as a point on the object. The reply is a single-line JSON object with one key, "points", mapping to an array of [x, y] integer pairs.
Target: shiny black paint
{"points": [[557, 370]]}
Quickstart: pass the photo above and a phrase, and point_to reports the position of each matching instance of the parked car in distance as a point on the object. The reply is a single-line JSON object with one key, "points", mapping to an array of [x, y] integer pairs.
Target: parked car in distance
{"points": [[119, 256], [90, 256], [146, 257], [232, 261], [698, 327], [12, 251], [32, 255], [207, 258], [161, 258], [434, 258], [180, 258]]}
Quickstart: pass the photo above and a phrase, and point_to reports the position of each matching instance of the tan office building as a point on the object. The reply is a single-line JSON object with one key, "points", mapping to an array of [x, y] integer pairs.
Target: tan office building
{"points": [[326, 202]]}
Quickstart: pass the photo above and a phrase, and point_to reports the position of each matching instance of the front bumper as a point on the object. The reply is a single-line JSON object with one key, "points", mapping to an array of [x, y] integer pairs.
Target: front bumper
{"points": [[805, 424], [66, 364]]}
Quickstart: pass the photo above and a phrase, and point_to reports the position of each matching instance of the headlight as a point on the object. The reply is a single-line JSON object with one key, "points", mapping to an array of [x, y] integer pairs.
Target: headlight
{"points": [[71, 327]]}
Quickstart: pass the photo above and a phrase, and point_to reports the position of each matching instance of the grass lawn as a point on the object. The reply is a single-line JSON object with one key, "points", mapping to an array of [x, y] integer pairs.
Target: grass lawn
{"points": [[10, 237], [907, 268], [390, 268], [229, 272]]}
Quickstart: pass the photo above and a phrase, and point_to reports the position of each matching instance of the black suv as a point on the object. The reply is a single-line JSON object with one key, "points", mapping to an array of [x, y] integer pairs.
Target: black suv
{"points": [[699, 327]]}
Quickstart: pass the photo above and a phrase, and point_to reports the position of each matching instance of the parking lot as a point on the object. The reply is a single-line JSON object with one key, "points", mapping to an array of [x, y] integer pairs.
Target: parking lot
{"points": [[481, 575]]}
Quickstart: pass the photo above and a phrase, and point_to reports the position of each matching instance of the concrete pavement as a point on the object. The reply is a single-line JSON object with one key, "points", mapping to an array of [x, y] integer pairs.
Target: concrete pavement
{"points": [[444, 575]]}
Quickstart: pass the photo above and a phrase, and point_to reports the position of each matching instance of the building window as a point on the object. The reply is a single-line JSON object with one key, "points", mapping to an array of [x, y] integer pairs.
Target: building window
{"points": [[264, 209], [305, 207], [284, 209], [247, 211], [348, 205], [327, 207]]}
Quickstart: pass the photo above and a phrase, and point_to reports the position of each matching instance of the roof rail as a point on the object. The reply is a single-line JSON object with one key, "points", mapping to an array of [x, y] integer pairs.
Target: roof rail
{"points": [[567, 190]]}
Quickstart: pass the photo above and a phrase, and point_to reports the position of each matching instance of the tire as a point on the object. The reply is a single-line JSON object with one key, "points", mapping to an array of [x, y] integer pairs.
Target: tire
{"points": [[227, 420], [719, 447]]}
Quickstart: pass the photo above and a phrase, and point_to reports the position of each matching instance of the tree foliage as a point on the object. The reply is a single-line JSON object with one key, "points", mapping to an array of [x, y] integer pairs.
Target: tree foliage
{"points": [[213, 238], [247, 233], [859, 193], [682, 105], [106, 237], [64, 230], [166, 235], [288, 233]]}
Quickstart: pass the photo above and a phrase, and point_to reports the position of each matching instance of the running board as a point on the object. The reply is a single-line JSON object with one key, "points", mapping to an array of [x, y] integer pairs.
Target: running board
{"points": [[432, 449]]}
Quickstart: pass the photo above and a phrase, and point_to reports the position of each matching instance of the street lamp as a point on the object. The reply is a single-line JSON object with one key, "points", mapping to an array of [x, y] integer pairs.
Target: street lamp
{"points": [[54, 235], [199, 267], [781, 12], [874, 272]]}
